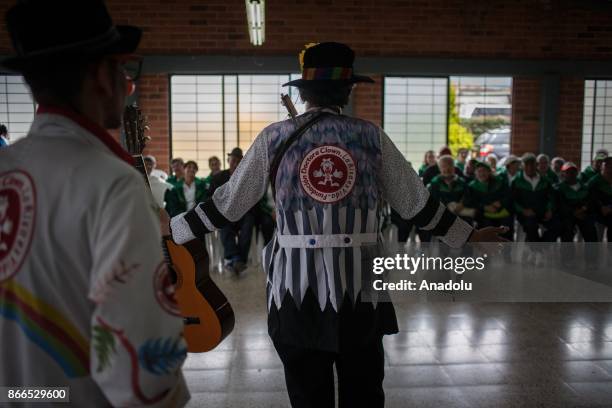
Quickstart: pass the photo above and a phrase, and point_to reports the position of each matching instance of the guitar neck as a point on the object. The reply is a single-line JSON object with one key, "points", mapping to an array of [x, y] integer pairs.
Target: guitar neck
{"points": [[140, 166]]}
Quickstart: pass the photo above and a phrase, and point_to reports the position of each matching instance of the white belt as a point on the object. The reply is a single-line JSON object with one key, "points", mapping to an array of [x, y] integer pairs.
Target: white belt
{"points": [[327, 241]]}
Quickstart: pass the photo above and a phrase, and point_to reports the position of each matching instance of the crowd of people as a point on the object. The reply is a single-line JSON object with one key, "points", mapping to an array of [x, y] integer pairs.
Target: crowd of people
{"points": [[550, 199], [183, 190]]}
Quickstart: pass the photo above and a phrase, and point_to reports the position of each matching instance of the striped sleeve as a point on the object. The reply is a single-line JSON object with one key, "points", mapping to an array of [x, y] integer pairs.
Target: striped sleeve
{"points": [[412, 200], [230, 201]]}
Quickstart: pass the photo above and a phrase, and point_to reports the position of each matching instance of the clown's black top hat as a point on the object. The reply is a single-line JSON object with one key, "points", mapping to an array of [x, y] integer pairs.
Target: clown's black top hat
{"points": [[41, 30], [328, 63]]}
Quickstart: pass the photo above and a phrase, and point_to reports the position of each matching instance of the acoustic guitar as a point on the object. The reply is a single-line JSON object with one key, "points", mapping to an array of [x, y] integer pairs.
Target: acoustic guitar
{"points": [[207, 314]]}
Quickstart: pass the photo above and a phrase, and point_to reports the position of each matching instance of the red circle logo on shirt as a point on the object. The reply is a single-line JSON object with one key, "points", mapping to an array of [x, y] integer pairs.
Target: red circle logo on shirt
{"points": [[17, 215], [164, 290], [327, 174]]}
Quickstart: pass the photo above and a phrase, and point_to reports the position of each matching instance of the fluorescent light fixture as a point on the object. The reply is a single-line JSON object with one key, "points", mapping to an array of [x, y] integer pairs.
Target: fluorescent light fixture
{"points": [[256, 16]]}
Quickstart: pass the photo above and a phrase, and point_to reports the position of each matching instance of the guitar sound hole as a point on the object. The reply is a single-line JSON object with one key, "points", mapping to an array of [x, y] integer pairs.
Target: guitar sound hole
{"points": [[191, 320]]}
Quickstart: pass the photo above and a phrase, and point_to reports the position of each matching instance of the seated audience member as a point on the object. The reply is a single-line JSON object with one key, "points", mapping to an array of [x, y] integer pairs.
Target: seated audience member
{"points": [[433, 171], [214, 164], [154, 171], [533, 198], [428, 161], [461, 160], [595, 167], [235, 236], [447, 186], [187, 192], [511, 167], [158, 185], [492, 160], [556, 164], [600, 195], [572, 204], [177, 165], [470, 170], [544, 170], [4, 137], [492, 200]]}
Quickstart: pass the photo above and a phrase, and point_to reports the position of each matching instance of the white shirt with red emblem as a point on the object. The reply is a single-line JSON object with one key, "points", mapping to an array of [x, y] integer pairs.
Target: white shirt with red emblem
{"points": [[85, 301]]}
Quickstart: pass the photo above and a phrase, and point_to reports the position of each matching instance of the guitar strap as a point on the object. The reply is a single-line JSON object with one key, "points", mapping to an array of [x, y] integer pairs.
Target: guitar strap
{"points": [[285, 146]]}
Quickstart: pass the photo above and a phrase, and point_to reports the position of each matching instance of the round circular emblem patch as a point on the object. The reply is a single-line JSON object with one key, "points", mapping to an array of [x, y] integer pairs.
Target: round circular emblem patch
{"points": [[164, 290], [17, 216], [327, 174]]}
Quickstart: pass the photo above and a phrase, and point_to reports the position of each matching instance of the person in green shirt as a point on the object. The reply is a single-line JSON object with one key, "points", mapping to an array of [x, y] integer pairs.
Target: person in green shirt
{"points": [[214, 163], [187, 192], [428, 160], [177, 166], [461, 160], [448, 188], [543, 165], [533, 199], [492, 200], [556, 164], [595, 167], [572, 205], [600, 195], [511, 167]]}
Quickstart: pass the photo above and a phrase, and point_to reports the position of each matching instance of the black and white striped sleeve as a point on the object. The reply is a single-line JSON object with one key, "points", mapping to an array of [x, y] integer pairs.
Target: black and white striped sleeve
{"points": [[407, 195], [230, 201]]}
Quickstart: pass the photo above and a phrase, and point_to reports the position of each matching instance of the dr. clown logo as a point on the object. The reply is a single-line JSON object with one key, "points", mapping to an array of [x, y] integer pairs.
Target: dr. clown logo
{"points": [[327, 174], [17, 214]]}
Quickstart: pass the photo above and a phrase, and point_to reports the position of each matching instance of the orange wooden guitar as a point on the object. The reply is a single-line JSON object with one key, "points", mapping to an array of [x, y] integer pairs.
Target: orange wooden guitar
{"points": [[207, 314]]}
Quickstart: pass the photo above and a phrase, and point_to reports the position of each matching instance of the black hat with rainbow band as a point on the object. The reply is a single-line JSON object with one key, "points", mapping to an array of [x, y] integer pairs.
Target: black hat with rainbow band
{"points": [[327, 63]]}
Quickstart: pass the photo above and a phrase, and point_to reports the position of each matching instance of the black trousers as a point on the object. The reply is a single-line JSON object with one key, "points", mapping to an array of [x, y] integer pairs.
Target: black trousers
{"points": [[309, 375]]}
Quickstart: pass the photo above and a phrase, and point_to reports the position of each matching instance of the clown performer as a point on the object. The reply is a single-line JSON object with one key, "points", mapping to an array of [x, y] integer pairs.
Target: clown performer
{"points": [[333, 174]]}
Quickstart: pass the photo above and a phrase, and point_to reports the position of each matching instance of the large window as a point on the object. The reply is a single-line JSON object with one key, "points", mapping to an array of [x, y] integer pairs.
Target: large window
{"points": [[415, 114], [597, 120], [16, 106], [425, 113], [212, 114]]}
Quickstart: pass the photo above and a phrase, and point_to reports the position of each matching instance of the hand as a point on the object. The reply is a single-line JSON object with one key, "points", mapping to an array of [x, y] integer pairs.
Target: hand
{"points": [[605, 211], [490, 208], [164, 222], [458, 207], [547, 215], [580, 213], [489, 234], [528, 212], [497, 205]]}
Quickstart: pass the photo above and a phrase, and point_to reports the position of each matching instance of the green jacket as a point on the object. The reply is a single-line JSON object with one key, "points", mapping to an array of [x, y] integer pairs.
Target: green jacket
{"points": [[552, 176], [502, 176], [479, 195], [175, 198], [422, 169], [173, 180], [447, 193], [459, 165], [600, 192], [568, 199], [524, 196], [587, 174]]}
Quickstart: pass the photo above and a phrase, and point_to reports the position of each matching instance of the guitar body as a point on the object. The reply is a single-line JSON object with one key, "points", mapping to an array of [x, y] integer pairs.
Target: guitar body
{"points": [[207, 314]]}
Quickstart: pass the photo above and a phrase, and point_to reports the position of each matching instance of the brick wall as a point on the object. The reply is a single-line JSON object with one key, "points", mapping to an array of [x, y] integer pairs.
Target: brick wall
{"points": [[569, 135], [367, 100], [453, 28], [525, 115], [153, 99]]}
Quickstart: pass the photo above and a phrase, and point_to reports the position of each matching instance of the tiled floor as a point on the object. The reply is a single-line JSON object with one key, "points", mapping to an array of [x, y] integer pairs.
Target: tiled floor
{"points": [[446, 355]]}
